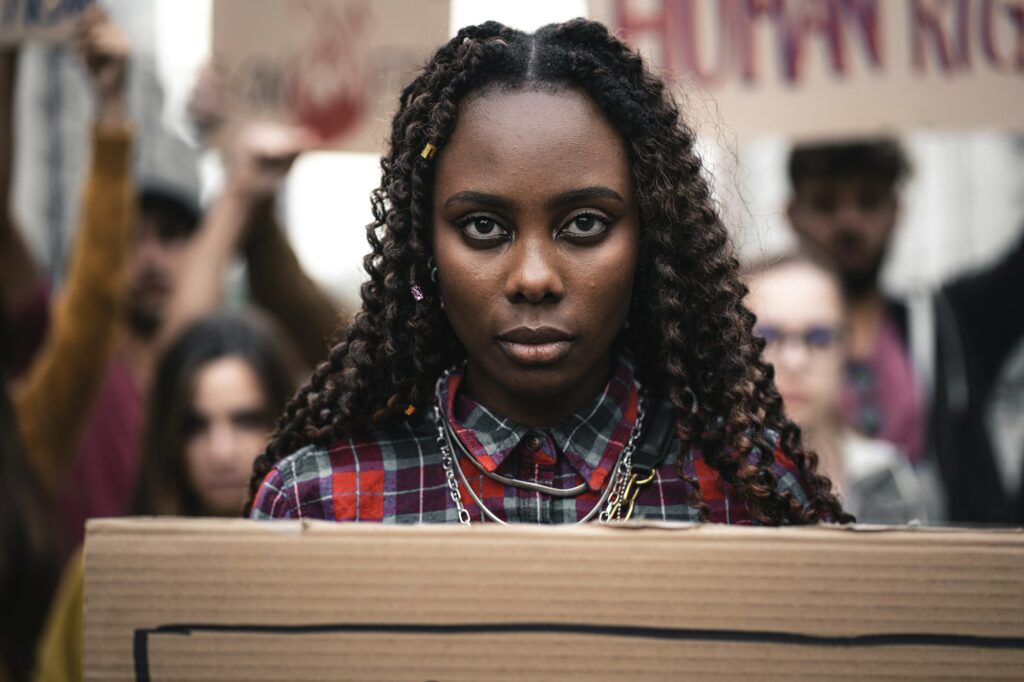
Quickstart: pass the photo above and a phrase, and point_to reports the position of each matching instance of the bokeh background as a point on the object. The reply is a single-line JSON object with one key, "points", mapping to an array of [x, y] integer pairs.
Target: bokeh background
{"points": [[961, 207]]}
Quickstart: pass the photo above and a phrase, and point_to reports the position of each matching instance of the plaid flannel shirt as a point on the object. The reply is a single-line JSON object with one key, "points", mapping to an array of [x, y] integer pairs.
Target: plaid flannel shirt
{"points": [[396, 475]]}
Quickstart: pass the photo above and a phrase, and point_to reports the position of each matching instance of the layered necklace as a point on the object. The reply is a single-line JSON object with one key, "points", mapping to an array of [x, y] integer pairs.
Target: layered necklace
{"points": [[621, 485]]}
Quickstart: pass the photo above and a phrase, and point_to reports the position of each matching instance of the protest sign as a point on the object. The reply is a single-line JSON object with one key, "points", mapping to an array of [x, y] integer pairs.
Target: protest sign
{"points": [[335, 66], [50, 20], [835, 67], [190, 599]]}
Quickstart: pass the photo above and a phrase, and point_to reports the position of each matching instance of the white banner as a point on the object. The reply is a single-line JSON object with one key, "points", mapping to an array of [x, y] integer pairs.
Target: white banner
{"points": [[813, 68]]}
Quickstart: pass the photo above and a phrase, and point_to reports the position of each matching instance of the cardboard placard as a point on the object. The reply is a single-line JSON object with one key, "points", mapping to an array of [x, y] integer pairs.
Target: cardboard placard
{"points": [[825, 68], [49, 20], [336, 66], [172, 599]]}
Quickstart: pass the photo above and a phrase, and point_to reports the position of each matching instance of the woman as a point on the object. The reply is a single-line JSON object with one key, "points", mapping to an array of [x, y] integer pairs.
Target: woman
{"points": [[216, 390], [215, 394], [801, 317], [553, 328]]}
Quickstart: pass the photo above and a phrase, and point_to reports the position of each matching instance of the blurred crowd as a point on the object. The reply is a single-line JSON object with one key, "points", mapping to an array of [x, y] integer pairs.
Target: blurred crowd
{"points": [[130, 390]]}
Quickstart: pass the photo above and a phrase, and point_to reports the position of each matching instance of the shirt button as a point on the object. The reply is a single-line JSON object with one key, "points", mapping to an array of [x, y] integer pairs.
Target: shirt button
{"points": [[534, 442]]}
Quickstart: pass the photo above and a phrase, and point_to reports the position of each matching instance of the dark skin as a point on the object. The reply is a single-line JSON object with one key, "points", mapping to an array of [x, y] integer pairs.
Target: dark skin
{"points": [[536, 239]]}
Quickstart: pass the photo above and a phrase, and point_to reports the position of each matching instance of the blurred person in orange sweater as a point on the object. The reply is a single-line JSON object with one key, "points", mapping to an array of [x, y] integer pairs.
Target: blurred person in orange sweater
{"points": [[177, 275], [77, 412]]}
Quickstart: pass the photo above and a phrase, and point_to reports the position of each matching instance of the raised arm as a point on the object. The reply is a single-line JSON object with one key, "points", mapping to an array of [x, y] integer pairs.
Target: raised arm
{"points": [[243, 216], [53, 401], [279, 284]]}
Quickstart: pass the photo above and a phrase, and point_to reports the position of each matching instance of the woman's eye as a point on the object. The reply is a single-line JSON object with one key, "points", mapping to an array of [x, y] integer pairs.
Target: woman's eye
{"points": [[482, 228], [584, 225], [251, 420], [194, 425]]}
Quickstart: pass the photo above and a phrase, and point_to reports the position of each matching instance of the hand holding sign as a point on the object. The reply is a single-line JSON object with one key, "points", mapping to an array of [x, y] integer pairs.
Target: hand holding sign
{"points": [[104, 51]]}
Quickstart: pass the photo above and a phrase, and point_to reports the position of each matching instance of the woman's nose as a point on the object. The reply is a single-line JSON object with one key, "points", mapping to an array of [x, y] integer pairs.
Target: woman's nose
{"points": [[534, 274], [223, 442]]}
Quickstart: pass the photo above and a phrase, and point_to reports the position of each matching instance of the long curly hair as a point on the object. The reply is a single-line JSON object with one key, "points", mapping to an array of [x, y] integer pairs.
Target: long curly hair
{"points": [[688, 329]]}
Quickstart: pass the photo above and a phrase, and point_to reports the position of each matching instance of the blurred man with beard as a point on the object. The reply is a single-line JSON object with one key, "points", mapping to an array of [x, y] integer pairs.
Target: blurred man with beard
{"points": [[166, 219], [103, 474], [844, 208]]}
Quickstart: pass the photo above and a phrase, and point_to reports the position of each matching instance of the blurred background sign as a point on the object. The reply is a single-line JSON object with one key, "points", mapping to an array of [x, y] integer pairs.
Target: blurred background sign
{"points": [[51, 20], [825, 68], [335, 66]]}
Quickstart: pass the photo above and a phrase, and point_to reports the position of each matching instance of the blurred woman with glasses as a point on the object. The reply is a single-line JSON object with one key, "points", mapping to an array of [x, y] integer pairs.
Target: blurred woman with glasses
{"points": [[800, 315]]}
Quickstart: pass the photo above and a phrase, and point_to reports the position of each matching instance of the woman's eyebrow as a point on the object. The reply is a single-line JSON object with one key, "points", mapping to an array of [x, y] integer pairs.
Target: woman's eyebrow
{"points": [[577, 195], [479, 198], [560, 201]]}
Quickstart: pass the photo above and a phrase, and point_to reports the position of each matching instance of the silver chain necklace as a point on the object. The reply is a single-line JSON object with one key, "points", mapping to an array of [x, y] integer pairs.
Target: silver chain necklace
{"points": [[609, 504]]}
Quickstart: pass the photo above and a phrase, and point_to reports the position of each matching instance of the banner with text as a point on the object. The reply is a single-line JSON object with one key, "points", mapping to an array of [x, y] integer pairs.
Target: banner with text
{"points": [[335, 66], [822, 68]]}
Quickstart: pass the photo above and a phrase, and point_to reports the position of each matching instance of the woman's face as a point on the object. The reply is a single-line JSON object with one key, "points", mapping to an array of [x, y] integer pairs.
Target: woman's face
{"points": [[799, 311], [227, 428], [535, 237]]}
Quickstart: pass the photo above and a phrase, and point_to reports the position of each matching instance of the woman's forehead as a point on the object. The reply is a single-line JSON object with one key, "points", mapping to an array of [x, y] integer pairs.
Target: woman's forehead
{"points": [[506, 140], [796, 292]]}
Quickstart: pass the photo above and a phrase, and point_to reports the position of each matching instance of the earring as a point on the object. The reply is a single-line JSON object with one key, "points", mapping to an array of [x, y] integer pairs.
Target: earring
{"points": [[432, 266], [693, 399]]}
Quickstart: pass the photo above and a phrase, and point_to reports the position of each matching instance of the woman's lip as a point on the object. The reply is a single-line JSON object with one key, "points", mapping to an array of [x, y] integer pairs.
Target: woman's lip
{"points": [[536, 353], [535, 335], [227, 485]]}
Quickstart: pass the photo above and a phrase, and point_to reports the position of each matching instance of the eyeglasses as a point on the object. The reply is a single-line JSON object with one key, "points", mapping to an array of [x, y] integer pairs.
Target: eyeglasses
{"points": [[814, 339]]}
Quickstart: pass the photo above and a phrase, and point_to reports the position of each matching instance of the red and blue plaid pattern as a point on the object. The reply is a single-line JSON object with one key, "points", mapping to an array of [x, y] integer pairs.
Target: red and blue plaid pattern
{"points": [[396, 476]]}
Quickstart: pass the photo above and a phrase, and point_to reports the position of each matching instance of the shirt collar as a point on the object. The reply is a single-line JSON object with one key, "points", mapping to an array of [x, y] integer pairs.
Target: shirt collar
{"points": [[591, 440]]}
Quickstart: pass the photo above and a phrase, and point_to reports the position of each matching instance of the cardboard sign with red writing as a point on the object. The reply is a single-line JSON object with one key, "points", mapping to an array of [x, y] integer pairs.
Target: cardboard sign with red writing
{"points": [[812, 68], [335, 66], [49, 20]]}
